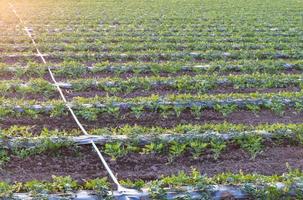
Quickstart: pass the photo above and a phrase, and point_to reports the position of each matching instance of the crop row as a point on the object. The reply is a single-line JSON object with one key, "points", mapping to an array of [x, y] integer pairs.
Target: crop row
{"points": [[224, 131], [144, 46], [196, 139], [172, 146], [200, 186], [190, 37], [128, 47], [198, 83], [167, 39], [200, 31], [154, 43], [77, 69], [168, 22], [189, 34], [155, 56], [91, 108], [211, 36]]}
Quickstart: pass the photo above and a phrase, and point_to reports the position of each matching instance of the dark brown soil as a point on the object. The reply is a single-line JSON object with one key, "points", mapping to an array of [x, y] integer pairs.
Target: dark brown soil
{"points": [[10, 76], [154, 119], [84, 164], [31, 96], [20, 58]]}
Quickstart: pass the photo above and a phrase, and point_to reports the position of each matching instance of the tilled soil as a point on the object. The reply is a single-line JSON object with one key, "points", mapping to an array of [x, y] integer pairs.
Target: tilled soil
{"points": [[83, 164], [154, 119]]}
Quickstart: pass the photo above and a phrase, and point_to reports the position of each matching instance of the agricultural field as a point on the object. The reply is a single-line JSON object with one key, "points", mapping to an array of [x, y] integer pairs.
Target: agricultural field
{"points": [[186, 99]]}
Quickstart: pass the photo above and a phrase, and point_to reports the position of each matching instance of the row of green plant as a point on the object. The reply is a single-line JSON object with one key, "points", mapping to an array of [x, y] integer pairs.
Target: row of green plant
{"points": [[160, 46], [33, 86], [253, 185], [253, 142], [143, 46], [170, 29], [250, 138], [92, 31], [44, 145], [156, 56], [115, 150], [211, 38], [196, 148], [217, 129], [198, 83], [76, 69], [174, 105], [171, 55], [170, 105], [41, 189]]}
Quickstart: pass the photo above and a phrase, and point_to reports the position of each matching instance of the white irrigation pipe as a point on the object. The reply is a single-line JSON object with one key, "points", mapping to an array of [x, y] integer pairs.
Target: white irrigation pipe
{"points": [[113, 177]]}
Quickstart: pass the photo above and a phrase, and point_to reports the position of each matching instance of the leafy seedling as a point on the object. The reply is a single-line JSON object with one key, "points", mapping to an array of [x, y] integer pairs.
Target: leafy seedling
{"points": [[252, 144], [138, 111], [217, 146], [198, 148], [153, 147], [196, 111], [176, 149], [226, 109], [114, 150]]}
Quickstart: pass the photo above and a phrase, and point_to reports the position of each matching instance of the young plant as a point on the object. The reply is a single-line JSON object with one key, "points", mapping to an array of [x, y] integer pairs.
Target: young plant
{"points": [[138, 184], [196, 111], [176, 149], [299, 137], [37, 189], [137, 110], [197, 148], [277, 107], [114, 150], [63, 184], [41, 86], [18, 131], [59, 110], [90, 114], [46, 145], [299, 107], [100, 186], [114, 111], [252, 144], [178, 110], [225, 109], [6, 190], [217, 146], [254, 108], [165, 110], [31, 113], [4, 157], [5, 112], [154, 147]]}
